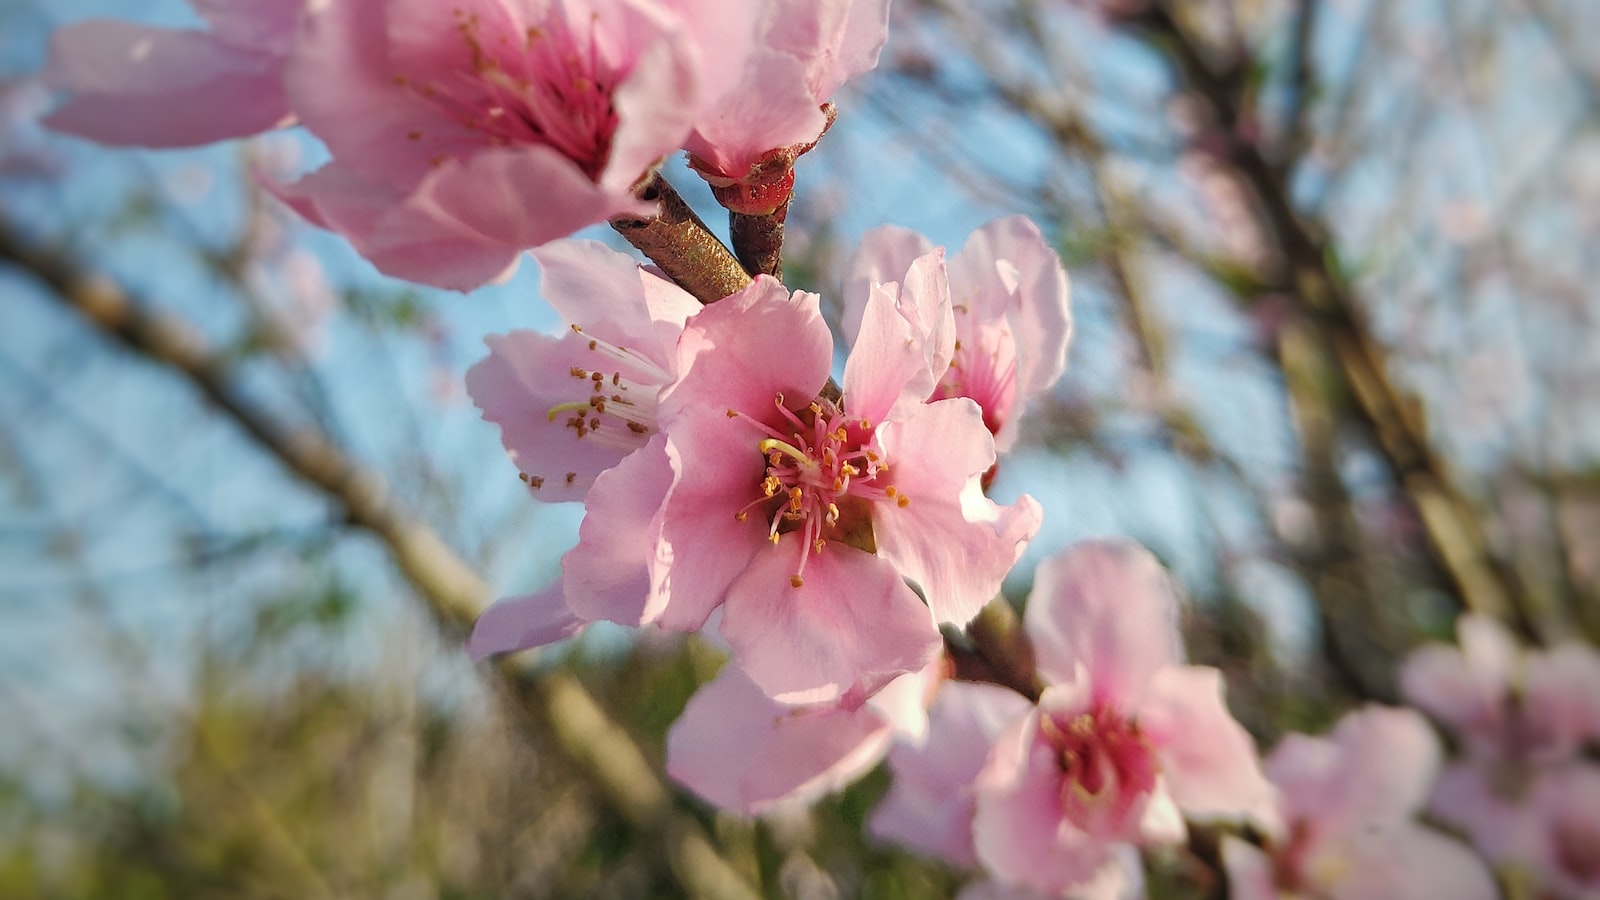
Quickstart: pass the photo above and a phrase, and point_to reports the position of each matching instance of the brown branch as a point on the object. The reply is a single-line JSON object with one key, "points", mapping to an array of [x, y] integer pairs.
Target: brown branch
{"points": [[1459, 548], [452, 590], [680, 243]]}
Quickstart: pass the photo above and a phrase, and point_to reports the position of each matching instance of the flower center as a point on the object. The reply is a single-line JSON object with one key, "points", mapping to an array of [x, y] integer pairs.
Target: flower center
{"points": [[547, 86], [614, 402], [820, 479], [1108, 769]]}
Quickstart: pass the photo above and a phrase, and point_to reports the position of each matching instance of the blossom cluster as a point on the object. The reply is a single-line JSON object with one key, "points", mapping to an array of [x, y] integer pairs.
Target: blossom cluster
{"points": [[462, 132], [825, 525]]}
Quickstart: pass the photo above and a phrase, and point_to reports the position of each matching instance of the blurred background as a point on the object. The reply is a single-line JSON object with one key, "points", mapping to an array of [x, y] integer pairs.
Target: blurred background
{"points": [[1336, 361]]}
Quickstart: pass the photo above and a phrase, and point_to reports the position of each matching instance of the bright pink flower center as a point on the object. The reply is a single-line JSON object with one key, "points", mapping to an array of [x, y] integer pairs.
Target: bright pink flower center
{"points": [[820, 478], [545, 86], [1107, 766]]}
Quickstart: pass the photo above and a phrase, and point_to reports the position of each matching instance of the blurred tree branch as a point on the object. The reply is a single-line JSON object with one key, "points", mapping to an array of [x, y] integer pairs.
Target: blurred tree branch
{"points": [[554, 700]]}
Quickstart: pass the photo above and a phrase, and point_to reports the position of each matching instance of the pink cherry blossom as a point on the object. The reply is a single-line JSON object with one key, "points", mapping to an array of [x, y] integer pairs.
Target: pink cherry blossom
{"points": [[743, 751], [571, 406], [1566, 805], [929, 805], [1124, 739], [773, 113], [1506, 703], [1347, 831], [1012, 319], [465, 132], [799, 515], [1521, 715], [157, 87]]}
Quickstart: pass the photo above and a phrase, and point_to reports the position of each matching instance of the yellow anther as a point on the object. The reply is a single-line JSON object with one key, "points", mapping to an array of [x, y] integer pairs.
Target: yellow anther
{"points": [[732, 414], [797, 581], [740, 516], [902, 501]]}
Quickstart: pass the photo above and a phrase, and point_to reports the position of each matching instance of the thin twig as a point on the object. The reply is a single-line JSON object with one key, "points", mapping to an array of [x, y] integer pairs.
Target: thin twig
{"points": [[680, 243]]}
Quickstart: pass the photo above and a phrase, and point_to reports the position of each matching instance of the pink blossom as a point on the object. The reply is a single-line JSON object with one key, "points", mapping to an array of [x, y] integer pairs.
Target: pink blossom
{"points": [[465, 132], [799, 515], [1521, 714], [930, 802], [1012, 319], [1566, 805], [159, 87], [1124, 738], [773, 113], [571, 406], [743, 751], [1506, 703], [1347, 832]]}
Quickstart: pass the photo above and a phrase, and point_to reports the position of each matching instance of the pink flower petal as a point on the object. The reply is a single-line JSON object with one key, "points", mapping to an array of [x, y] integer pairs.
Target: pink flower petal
{"points": [[948, 538], [607, 575], [611, 296], [519, 623], [1109, 606], [1561, 696], [703, 547], [1207, 758], [904, 345], [1501, 824], [1400, 861], [775, 109], [1008, 276], [744, 751], [655, 105], [885, 255], [1464, 688], [743, 350], [399, 240], [930, 802], [851, 627], [834, 39], [154, 87], [1377, 765]]}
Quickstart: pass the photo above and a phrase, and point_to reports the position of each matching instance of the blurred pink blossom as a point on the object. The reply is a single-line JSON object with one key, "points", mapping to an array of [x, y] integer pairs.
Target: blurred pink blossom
{"points": [[1011, 315], [1347, 830], [159, 87], [1523, 718], [1125, 740]]}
